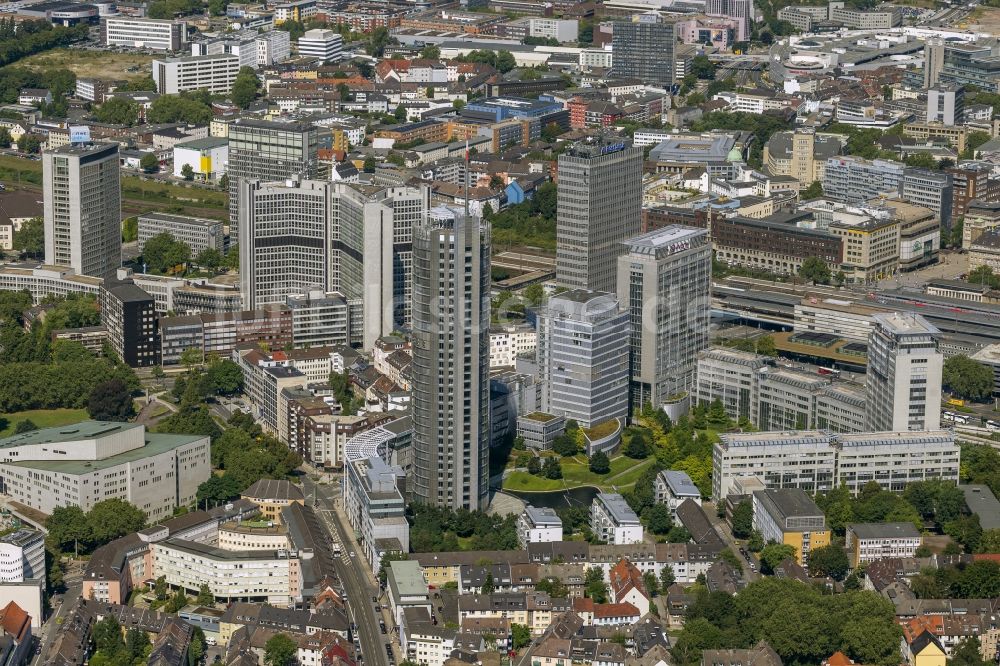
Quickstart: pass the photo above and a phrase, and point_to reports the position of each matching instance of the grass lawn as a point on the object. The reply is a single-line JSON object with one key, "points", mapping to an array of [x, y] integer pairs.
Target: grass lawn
{"points": [[576, 472], [92, 63], [525, 481], [43, 418], [138, 189]]}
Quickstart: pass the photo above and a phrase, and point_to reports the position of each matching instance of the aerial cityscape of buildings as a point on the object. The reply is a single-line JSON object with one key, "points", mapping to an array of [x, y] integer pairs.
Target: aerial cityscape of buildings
{"points": [[590, 333]]}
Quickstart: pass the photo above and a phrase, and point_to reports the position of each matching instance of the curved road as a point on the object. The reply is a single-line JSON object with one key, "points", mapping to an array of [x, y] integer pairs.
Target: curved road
{"points": [[354, 576]]}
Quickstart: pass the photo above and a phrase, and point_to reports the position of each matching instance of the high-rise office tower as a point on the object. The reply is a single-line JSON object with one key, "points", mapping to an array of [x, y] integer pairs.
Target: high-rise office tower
{"points": [[644, 49], [285, 231], [903, 384], [946, 104], [737, 9], [268, 151], [82, 208], [663, 284], [450, 369], [583, 342], [600, 206], [933, 61], [373, 255]]}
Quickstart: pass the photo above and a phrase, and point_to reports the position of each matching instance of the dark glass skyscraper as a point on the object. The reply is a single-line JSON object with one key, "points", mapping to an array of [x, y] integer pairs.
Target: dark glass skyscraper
{"points": [[643, 49], [600, 206]]}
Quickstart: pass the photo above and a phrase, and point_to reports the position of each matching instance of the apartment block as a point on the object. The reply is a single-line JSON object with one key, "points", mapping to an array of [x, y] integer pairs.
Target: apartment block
{"points": [[673, 487], [538, 525], [129, 315], [612, 520], [198, 233], [373, 500], [214, 73]]}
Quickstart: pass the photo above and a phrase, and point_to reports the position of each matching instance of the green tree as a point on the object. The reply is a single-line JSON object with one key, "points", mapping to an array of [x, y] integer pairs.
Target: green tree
{"points": [[967, 653], [162, 253], [209, 258], [111, 401], [245, 87], [658, 519], [968, 378], [487, 584], [130, 229], [118, 111], [565, 445], [25, 425], [552, 468], [176, 602], [113, 518], [773, 555], [815, 269], [666, 577], [280, 650], [149, 163], [989, 542], [187, 172], [224, 377], [595, 587], [520, 636], [137, 645], [703, 68], [431, 52], [160, 589], [378, 40], [814, 191], [218, 489], [829, 561], [205, 596], [30, 144], [599, 463], [743, 520], [5, 138], [68, 528], [107, 636], [29, 240]]}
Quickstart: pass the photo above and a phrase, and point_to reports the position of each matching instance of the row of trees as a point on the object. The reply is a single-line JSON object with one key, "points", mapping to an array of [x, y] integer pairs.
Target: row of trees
{"points": [[37, 36], [434, 529], [72, 530], [859, 623]]}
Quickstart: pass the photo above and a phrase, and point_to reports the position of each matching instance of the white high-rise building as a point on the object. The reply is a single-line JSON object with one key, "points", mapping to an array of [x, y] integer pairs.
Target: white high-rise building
{"points": [[583, 342], [374, 255], [273, 46], [323, 44], [450, 369], [819, 461], [144, 33], [214, 73], [82, 208], [663, 283], [903, 383], [284, 239]]}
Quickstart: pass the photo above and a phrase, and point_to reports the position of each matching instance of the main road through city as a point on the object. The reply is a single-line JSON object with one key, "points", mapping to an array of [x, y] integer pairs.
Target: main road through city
{"points": [[354, 576]]}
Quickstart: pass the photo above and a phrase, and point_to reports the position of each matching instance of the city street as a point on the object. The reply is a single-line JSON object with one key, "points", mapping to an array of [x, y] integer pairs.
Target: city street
{"points": [[47, 634], [358, 582]]}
